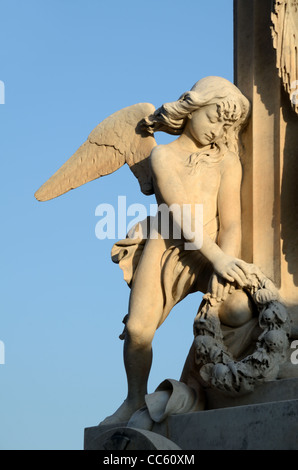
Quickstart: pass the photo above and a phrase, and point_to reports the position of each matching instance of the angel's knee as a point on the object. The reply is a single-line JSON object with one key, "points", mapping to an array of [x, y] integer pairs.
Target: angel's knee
{"points": [[139, 334], [236, 310]]}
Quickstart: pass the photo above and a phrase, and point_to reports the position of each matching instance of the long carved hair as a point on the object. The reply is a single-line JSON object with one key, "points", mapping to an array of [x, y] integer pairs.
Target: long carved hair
{"points": [[232, 106]]}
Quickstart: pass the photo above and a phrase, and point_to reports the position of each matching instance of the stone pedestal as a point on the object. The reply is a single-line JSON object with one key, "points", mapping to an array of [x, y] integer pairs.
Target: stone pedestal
{"points": [[266, 426], [263, 420]]}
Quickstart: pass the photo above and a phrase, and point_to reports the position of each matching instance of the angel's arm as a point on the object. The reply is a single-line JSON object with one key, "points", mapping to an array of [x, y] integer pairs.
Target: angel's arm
{"points": [[229, 206], [170, 188]]}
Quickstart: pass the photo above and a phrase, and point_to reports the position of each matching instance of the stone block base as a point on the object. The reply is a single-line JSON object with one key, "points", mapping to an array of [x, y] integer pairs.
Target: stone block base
{"points": [[268, 422]]}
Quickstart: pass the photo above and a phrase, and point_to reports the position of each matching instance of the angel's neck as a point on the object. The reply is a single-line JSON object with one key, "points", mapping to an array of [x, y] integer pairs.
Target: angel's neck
{"points": [[188, 144]]}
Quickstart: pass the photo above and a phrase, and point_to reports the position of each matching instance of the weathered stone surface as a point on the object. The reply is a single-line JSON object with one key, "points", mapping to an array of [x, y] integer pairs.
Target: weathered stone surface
{"points": [[271, 391], [269, 153], [125, 438], [263, 420], [266, 426]]}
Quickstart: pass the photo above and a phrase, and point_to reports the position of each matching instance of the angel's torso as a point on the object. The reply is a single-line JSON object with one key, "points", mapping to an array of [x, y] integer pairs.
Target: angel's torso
{"points": [[200, 186]]}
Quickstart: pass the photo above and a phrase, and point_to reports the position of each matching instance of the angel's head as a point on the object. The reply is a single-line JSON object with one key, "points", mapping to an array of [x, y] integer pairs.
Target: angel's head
{"points": [[214, 110]]}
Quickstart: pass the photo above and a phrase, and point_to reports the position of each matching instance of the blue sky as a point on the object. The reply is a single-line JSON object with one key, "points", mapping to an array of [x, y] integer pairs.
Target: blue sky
{"points": [[66, 65]]}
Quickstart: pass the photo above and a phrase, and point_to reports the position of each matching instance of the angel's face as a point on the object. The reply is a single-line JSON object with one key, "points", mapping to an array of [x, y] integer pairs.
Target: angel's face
{"points": [[206, 125]]}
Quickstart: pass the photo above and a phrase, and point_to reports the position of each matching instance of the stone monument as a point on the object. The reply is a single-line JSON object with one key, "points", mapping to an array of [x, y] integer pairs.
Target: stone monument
{"points": [[235, 155]]}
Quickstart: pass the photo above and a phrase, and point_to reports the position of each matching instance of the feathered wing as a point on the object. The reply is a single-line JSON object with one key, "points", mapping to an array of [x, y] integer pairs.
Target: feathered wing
{"points": [[115, 141]]}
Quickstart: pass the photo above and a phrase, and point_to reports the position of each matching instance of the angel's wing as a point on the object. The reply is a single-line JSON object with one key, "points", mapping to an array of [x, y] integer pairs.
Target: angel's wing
{"points": [[115, 141]]}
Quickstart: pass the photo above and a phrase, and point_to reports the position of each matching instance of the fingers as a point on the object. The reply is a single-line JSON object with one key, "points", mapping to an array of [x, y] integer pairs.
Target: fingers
{"points": [[228, 277], [237, 278], [223, 284], [245, 267], [232, 276], [217, 287], [223, 290], [226, 290], [238, 271], [220, 289], [214, 284]]}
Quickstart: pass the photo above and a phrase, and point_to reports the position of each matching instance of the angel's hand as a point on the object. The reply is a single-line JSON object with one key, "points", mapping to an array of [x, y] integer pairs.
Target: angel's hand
{"points": [[219, 287], [232, 269]]}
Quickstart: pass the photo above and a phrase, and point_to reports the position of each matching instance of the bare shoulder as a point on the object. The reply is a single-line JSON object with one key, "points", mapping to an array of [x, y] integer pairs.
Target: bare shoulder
{"points": [[158, 152], [159, 158]]}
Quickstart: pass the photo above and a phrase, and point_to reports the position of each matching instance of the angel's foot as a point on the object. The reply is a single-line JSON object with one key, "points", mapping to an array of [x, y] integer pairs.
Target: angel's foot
{"points": [[123, 413]]}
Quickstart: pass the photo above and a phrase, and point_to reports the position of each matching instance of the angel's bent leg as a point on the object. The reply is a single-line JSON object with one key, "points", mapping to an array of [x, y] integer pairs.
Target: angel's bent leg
{"points": [[145, 312]]}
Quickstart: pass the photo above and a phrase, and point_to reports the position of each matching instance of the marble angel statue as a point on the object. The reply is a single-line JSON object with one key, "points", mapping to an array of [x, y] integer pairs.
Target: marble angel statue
{"points": [[200, 166]]}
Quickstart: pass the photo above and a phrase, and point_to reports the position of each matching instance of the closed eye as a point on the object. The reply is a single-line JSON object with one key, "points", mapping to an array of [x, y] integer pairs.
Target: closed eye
{"points": [[213, 119]]}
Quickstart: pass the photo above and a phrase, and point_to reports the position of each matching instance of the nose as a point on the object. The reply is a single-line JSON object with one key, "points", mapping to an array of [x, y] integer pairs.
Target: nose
{"points": [[217, 130]]}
